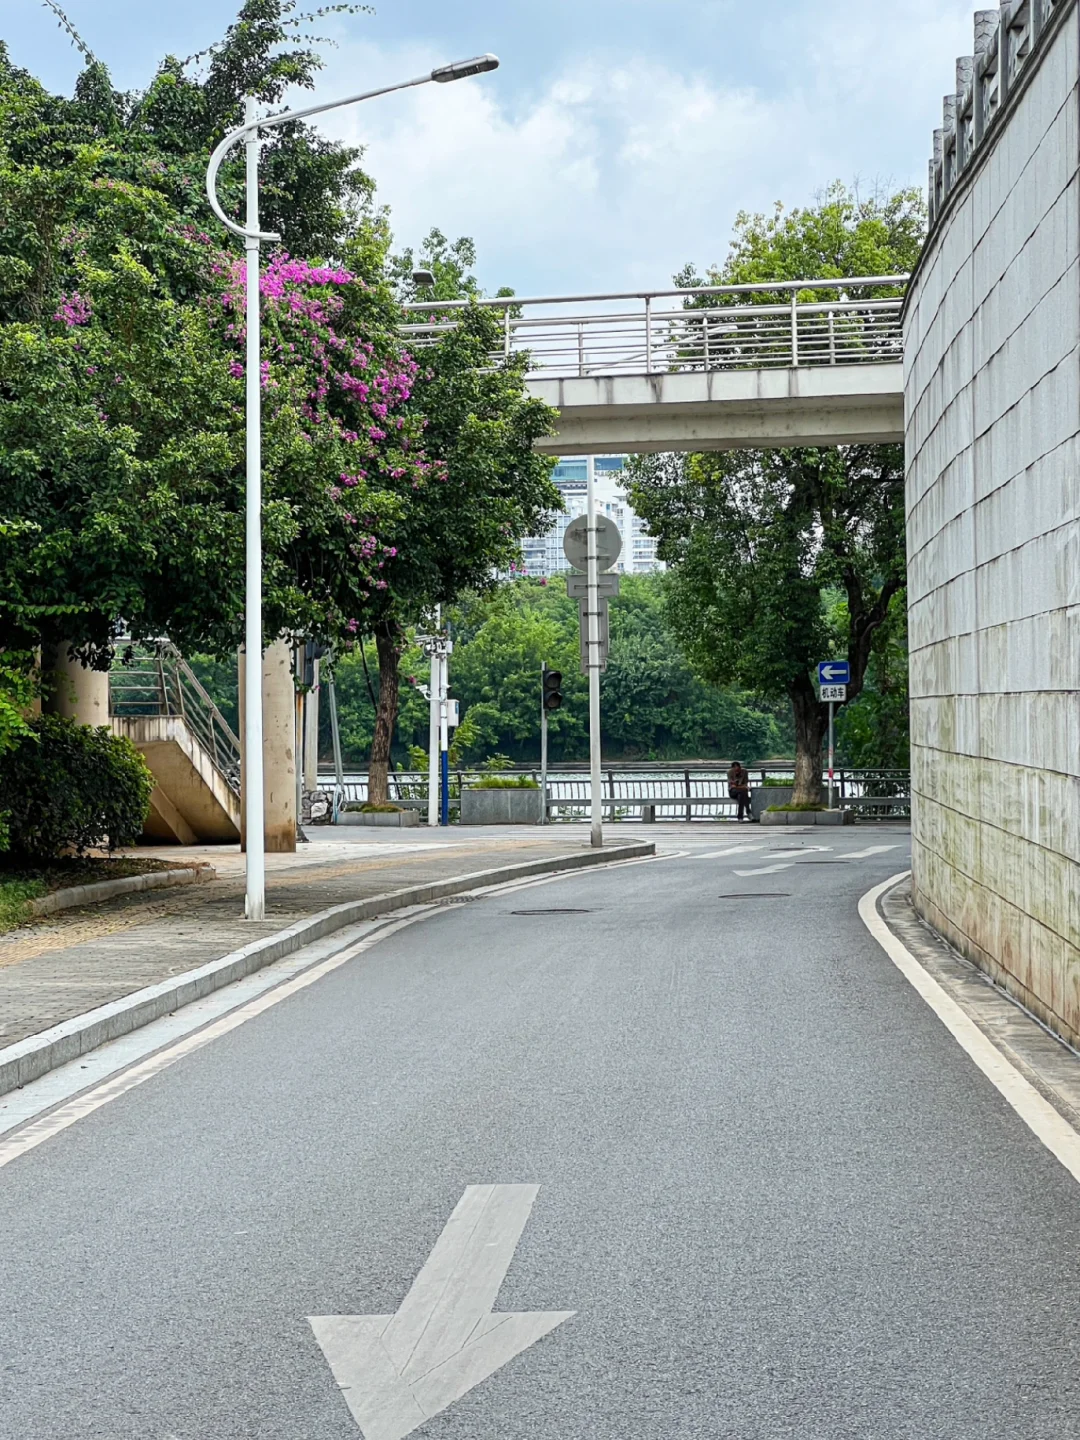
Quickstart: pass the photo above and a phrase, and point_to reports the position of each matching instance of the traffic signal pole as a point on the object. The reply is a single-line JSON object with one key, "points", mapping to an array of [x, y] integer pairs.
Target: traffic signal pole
{"points": [[597, 829]]}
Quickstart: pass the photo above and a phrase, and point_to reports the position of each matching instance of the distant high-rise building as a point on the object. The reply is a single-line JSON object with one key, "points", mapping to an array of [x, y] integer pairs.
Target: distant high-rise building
{"points": [[543, 554]]}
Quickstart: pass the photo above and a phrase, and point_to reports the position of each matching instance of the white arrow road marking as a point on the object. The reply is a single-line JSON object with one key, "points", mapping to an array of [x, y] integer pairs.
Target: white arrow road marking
{"points": [[765, 870], [396, 1371], [801, 850], [865, 854], [734, 850]]}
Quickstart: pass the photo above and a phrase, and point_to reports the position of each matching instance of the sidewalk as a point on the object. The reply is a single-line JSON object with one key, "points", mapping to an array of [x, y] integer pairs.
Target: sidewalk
{"points": [[65, 964]]}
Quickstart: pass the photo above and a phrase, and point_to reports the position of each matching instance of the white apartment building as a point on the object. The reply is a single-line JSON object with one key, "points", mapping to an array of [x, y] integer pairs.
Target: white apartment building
{"points": [[543, 554]]}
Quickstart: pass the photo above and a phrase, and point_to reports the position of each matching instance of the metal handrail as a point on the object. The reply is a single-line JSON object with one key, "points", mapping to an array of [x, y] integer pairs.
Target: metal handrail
{"points": [[717, 327], [155, 679]]}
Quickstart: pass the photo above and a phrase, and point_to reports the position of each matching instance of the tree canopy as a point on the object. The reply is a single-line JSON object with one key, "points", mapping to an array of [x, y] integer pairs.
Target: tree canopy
{"points": [[760, 540]]}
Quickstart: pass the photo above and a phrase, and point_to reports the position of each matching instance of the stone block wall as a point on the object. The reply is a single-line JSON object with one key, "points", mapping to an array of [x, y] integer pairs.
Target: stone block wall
{"points": [[992, 384]]}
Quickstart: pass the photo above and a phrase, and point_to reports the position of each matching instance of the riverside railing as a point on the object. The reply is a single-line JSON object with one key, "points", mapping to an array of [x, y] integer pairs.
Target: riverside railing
{"points": [[633, 791], [148, 680], [714, 327]]}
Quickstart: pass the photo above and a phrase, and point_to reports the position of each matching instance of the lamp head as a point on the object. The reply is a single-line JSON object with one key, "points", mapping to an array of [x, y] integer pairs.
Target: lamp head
{"points": [[423, 278], [462, 69]]}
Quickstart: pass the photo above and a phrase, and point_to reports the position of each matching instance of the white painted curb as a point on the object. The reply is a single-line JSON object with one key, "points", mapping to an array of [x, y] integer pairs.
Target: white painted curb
{"points": [[38, 1054], [100, 890], [1037, 1113]]}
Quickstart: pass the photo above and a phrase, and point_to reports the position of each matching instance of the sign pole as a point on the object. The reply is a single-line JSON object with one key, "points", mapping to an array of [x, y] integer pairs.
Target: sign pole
{"points": [[593, 602], [831, 709], [543, 746], [444, 736], [433, 727]]}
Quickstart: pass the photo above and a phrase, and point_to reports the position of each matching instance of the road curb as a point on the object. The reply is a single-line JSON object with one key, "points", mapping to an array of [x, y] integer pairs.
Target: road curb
{"points": [[35, 1056], [74, 895]]}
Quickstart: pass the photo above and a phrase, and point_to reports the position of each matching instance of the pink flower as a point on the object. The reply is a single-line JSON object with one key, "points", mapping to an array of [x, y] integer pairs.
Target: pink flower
{"points": [[74, 309]]}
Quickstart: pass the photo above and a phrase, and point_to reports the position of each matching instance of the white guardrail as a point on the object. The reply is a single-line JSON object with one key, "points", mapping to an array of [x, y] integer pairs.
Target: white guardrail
{"points": [[715, 327]]}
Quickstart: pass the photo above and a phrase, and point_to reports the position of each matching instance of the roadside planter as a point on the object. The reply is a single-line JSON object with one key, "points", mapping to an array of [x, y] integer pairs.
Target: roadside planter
{"points": [[763, 796], [510, 806], [807, 817], [393, 819]]}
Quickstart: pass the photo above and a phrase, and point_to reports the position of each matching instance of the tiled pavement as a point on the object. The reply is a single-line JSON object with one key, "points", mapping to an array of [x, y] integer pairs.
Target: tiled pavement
{"points": [[65, 964]]}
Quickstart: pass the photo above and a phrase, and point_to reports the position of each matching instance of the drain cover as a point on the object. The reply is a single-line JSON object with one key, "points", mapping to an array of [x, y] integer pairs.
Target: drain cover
{"points": [[555, 911]]}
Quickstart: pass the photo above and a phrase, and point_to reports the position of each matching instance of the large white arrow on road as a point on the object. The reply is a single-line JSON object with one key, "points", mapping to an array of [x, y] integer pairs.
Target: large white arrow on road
{"points": [[396, 1371]]}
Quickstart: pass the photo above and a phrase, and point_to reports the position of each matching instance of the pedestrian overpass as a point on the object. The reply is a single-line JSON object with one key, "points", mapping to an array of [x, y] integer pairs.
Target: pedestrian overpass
{"points": [[810, 362]]}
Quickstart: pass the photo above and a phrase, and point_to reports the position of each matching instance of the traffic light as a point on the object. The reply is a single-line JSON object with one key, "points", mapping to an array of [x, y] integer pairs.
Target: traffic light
{"points": [[552, 682]]}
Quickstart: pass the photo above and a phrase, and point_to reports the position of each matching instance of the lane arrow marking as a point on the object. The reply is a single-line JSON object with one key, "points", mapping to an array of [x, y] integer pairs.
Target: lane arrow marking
{"points": [[397, 1371], [765, 870], [865, 854], [734, 850]]}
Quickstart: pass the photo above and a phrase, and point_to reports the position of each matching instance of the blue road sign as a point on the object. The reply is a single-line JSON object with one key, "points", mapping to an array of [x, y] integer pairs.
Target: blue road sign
{"points": [[834, 672]]}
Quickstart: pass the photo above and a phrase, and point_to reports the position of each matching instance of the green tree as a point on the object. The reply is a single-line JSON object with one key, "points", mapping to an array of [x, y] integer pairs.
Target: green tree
{"points": [[757, 538]]}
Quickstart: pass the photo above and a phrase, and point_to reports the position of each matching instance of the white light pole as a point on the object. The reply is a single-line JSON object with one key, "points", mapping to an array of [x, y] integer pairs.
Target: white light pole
{"points": [[255, 903], [595, 661]]}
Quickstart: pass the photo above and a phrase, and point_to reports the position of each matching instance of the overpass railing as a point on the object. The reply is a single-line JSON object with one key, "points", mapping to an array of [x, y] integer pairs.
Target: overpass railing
{"points": [[714, 327]]}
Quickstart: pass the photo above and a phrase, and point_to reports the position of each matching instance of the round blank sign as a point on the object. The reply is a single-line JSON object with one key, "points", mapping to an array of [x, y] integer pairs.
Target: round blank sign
{"points": [[575, 542]]}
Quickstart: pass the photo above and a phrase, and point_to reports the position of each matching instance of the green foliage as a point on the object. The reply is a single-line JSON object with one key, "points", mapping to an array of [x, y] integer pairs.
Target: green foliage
{"points": [[497, 782], [874, 733], [793, 809], [758, 539], [844, 234], [67, 787], [17, 690], [370, 809], [15, 898], [653, 704]]}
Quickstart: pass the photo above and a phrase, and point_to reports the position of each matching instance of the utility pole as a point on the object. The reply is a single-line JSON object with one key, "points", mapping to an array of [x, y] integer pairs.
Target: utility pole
{"points": [[595, 661]]}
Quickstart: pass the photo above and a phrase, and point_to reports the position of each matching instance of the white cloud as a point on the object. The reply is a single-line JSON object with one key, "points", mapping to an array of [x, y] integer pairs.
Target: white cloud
{"points": [[616, 172]]}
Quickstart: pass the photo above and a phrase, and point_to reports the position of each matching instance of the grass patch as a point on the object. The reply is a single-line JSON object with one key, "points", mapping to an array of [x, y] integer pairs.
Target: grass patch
{"points": [[794, 809], [22, 881], [15, 897], [368, 808], [503, 782]]}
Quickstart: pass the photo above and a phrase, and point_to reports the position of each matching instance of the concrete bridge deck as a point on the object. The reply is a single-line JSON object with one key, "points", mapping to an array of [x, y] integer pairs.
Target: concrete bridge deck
{"points": [[809, 362]]}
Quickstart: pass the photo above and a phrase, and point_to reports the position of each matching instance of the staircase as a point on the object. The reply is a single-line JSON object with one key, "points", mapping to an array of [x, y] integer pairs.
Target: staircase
{"points": [[157, 702]]}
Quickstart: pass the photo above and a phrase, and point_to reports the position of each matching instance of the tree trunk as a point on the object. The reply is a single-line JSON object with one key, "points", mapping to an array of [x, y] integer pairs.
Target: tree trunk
{"points": [[811, 724], [388, 647]]}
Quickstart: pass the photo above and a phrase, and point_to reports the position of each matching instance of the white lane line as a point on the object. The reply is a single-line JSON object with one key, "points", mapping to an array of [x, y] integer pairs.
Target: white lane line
{"points": [[38, 1131], [801, 850], [765, 870], [865, 854], [37, 1102], [1037, 1113]]}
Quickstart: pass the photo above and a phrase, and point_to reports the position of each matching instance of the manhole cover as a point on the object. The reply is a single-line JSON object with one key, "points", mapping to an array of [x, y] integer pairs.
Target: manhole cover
{"points": [[555, 911], [758, 895]]}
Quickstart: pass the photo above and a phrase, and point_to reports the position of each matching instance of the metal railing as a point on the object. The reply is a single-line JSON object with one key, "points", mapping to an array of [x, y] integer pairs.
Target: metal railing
{"points": [[155, 679], [665, 791], [716, 327]]}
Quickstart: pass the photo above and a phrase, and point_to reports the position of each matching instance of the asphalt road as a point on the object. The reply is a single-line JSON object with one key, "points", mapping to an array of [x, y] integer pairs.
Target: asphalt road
{"points": [[779, 1198]]}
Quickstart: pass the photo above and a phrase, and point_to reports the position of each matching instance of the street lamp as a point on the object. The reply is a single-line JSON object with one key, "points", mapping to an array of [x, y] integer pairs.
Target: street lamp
{"points": [[255, 904]]}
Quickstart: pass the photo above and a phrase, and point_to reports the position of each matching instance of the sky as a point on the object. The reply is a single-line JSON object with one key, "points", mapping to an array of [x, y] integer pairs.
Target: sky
{"points": [[619, 139]]}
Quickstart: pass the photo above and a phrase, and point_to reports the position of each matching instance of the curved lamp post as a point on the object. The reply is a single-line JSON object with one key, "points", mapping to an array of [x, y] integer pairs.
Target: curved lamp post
{"points": [[255, 905]]}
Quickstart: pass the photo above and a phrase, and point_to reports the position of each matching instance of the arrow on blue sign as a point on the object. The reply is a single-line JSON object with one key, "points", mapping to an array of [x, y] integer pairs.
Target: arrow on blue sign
{"points": [[834, 672]]}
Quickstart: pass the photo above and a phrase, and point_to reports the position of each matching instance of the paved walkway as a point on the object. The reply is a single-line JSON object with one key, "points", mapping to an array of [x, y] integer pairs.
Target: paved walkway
{"points": [[62, 965]]}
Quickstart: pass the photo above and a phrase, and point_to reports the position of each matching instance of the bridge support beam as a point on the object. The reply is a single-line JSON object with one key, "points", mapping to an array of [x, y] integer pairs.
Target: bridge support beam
{"points": [[725, 409], [279, 748]]}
